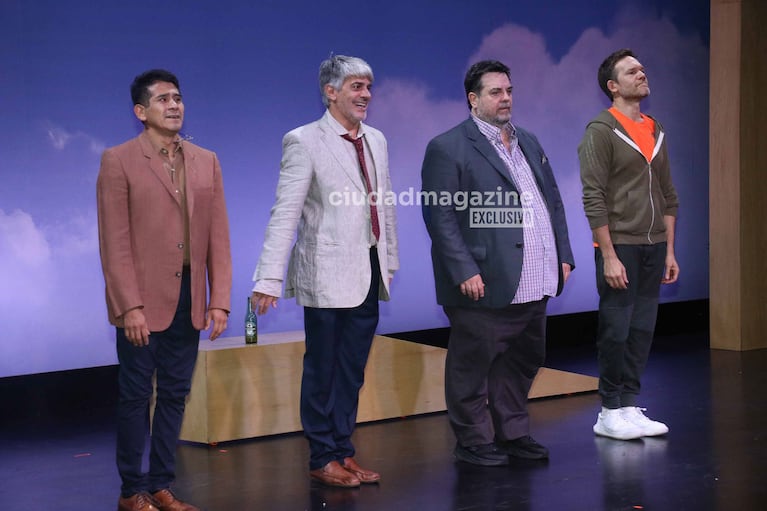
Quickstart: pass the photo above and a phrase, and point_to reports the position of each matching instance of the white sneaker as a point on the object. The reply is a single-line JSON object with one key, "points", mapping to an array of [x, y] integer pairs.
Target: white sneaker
{"points": [[649, 427], [612, 424]]}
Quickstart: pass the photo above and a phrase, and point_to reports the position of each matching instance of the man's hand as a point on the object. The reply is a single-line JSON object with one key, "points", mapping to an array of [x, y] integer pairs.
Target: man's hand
{"points": [[672, 270], [566, 269], [612, 267], [615, 273], [261, 302], [219, 318], [474, 287], [136, 329]]}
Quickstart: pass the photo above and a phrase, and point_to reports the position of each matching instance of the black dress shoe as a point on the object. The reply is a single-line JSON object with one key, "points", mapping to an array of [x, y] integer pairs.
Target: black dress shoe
{"points": [[487, 455], [523, 447]]}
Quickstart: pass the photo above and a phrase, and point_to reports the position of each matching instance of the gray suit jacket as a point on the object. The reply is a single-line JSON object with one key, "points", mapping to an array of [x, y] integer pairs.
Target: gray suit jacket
{"points": [[462, 159], [329, 265]]}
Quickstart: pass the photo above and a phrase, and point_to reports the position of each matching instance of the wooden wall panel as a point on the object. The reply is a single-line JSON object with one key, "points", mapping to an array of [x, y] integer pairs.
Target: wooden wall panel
{"points": [[737, 185]]}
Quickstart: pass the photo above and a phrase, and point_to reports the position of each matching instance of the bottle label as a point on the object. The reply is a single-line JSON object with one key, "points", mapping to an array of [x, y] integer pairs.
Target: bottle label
{"points": [[250, 329]]}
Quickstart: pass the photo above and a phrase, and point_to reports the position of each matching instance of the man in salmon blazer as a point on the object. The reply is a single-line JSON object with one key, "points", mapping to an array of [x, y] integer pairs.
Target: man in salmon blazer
{"points": [[164, 244]]}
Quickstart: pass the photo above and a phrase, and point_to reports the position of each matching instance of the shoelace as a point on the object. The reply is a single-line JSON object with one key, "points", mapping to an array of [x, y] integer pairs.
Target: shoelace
{"points": [[144, 499], [169, 493], [639, 411]]}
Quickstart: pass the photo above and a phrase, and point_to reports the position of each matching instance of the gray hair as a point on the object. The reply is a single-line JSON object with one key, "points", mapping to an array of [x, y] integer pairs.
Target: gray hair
{"points": [[337, 68]]}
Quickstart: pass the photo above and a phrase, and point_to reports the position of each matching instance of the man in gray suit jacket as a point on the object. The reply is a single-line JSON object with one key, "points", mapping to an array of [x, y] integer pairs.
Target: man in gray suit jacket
{"points": [[500, 249], [344, 257]]}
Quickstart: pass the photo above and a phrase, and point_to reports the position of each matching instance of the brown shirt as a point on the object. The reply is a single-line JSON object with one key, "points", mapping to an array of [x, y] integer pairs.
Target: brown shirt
{"points": [[173, 162]]}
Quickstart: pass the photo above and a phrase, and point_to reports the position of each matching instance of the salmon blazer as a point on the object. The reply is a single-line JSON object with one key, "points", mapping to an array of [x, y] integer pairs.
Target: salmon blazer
{"points": [[141, 233]]}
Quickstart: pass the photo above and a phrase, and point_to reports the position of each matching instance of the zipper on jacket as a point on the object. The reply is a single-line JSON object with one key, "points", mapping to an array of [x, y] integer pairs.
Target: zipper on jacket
{"points": [[655, 151], [652, 203]]}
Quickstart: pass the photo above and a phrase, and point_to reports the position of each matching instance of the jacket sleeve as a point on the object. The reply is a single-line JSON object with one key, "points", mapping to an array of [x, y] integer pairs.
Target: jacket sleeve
{"points": [[292, 190], [440, 176], [595, 154], [219, 260], [115, 246], [667, 187], [390, 219], [559, 222]]}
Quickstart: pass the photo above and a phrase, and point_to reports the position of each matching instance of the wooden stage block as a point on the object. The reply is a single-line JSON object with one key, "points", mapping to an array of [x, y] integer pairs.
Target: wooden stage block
{"points": [[553, 382], [245, 391]]}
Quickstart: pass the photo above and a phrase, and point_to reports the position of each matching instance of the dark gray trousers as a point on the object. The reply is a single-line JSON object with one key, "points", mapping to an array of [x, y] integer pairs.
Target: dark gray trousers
{"points": [[627, 321], [493, 356]]}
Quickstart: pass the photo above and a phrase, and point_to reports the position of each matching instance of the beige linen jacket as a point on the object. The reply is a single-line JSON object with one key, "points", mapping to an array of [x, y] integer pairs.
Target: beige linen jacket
{"points": [[329, 263]]}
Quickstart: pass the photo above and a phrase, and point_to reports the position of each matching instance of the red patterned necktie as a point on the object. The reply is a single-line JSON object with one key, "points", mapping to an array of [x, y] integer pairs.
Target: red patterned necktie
{"points": [[361, 157]]}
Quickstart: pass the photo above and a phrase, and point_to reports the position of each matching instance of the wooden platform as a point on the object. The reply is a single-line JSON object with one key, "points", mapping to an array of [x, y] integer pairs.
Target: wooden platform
{"points": [[245, 391]]}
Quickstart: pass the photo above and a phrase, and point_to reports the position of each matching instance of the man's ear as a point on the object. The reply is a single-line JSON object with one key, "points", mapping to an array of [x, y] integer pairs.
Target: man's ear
{"points": [[612, 86], [139, 111], [473, 99], [330, 92]]}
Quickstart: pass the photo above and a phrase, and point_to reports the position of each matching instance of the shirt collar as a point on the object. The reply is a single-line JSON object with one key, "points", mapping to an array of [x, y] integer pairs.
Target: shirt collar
{"points": [[339, 130], [178, 141], [493, 132]]}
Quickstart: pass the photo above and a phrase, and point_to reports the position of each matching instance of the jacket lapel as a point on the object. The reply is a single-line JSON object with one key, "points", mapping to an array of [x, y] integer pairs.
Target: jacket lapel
{"points": [[534, 159], [155, 165], [190, 176], [377, 154], [482, 145], [335, 145]]}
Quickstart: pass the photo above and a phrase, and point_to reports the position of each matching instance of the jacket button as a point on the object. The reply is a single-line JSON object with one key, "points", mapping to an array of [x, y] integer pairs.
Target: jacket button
{"points": [[178, 274], [520, 244], [180, 245]]}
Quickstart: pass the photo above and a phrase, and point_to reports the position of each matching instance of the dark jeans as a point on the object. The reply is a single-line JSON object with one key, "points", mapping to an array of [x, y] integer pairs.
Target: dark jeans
{"points": [[172, 353], [493, 356], [627, 321], [338, 342]]}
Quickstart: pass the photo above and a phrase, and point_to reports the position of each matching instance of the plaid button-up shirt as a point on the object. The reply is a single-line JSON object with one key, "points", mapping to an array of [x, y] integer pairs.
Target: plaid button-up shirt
{"points": [[540, 273]]}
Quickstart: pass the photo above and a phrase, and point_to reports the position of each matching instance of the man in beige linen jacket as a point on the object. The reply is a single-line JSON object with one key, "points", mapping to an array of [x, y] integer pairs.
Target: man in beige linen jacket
{"points": [[341, 264]]}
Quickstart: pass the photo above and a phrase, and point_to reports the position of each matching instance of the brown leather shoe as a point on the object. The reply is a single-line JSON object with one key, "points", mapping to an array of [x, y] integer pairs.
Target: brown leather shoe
{"points": [[166, 501], [365, 476], [138, 502], [333, 474]]}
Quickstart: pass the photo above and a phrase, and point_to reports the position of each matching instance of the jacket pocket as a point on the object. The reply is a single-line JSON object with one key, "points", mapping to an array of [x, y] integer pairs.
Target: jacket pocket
{"points": [[633, 216]]}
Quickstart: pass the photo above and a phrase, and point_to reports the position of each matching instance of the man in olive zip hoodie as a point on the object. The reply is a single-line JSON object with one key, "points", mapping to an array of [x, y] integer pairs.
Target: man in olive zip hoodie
{"points": [[631, 206]]}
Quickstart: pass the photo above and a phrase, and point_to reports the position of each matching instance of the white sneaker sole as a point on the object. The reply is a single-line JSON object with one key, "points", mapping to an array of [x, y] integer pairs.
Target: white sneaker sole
{"points": [[655, 431], [616, 436]]}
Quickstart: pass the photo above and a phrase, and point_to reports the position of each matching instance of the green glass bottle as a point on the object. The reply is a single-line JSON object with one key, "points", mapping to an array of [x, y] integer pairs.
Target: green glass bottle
{"points": [[251, 325]]}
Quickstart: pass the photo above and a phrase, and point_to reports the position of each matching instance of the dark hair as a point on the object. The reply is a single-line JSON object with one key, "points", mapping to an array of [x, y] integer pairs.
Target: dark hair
{"points": [[607, 69], [473, 80], [139, 89]]}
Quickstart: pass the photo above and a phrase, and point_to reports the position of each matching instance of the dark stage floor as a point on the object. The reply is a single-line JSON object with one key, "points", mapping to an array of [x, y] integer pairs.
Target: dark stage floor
{"points": [[714, 458]]}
